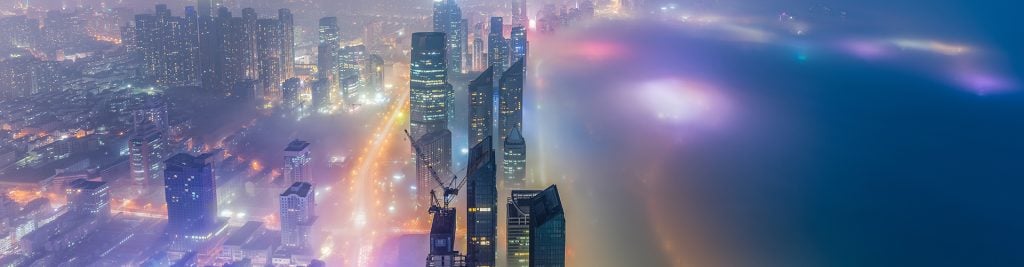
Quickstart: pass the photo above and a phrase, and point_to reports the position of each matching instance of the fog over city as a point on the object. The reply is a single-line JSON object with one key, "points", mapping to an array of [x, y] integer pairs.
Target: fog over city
{"points": [[620, 133]]}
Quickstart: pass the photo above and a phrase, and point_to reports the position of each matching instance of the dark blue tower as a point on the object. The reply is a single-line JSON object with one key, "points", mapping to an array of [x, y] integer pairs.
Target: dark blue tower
{"points": [[191, 195]]}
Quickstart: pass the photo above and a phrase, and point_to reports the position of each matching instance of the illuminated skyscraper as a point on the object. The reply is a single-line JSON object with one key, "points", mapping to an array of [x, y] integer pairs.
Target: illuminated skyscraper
{"points": [[436, 148], [327, 54], [374, 73], [497, 46], [428, 85], [510, 107], [90, 198], [268, 40], [284, 16], [547, 229], [146, 149], [191, 194], [290, 91], [298, 205], [519, 45], [321, 94], [481, 106], [448, 19], [251, 59], [296, 162], [482, 205], [513, 162], [517, 228]]}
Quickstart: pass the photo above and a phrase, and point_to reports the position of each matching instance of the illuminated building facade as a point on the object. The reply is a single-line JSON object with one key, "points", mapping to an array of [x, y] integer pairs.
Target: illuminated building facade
{"points": [[448, 19], [268, 47], [297, 160], [497, 45], [146, 149], [518, 44], [287, 21], [327, 54], [481, 107], [90, 198], [510, 106], [482, 205], [191, 194], [429, 89], [513, 161], [517, 228], [298, 205], [436, 149]]}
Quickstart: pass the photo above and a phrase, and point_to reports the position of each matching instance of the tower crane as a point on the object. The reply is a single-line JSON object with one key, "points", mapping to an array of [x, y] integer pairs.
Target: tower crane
{"points": [[449, 190]]}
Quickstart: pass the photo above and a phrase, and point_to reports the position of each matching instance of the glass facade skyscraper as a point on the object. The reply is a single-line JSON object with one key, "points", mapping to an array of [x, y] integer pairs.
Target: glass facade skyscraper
{"points": [[547, 229], [513, 162], [517, 228], [436, 147], [481, 106], [191, 194], [448, 19], [429, 89], [482, 205], [510, 108]]}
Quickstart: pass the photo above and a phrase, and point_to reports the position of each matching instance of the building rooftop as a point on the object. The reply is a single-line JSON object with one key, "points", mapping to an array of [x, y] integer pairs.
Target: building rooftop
{"points": [[297, 145], [243, 234], [86, 184], [515, 137], [545, 206], [300, 189]]}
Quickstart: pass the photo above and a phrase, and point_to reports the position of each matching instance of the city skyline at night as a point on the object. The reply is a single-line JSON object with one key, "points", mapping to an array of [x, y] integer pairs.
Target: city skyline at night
{"points": [[493, 133]]}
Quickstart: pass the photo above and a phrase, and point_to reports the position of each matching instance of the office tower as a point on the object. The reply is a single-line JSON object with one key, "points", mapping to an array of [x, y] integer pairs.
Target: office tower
{"points": [[448, 19], [520, 47], [547, 229], [442, 240], [284, 16], [290, 91], [481, 106], [268, 40], [436, 150], [517, 227], [328, 31], [350, 84], [327, 54], [148, 111], [298, 205], [374, 73], [191, 194], [513, 161], [91, 198], [482, 205], [146, 148], [478, 59], [428, 85], [510, 107], [321, 94], [297, 160], [497, 47]]}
